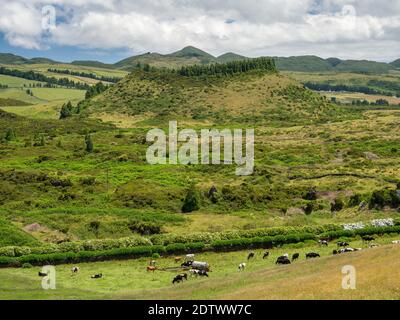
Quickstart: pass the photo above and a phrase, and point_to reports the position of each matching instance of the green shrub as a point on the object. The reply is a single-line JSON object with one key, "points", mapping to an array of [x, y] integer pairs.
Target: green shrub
{"points": [[191, 202], [26, 266], [337, 205], [145, 227]]}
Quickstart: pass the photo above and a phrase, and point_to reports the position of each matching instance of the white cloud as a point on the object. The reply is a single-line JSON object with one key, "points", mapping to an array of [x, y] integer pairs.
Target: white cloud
{"points": [[263, 27]]}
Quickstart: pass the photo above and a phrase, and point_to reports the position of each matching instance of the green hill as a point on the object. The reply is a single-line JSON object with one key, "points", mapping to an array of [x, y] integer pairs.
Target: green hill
{"points": [[396, 63], [192, 52], [190, 55], [9, 58], [90, 63], [363, 66], [252, 96], [230, 56], [43, 61], [303, 63]]}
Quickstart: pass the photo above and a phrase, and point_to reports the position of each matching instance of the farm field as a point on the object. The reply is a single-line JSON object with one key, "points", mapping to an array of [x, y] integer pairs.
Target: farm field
{"points": [[83, 181], [319, 278], [348, 97]]}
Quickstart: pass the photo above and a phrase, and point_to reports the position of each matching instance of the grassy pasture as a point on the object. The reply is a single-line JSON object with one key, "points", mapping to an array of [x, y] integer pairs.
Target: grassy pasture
{"points": [[312, 279]]}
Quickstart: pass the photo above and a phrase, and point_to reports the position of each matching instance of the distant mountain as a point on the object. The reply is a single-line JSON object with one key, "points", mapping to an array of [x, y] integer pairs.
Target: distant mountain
{"points": [[396, 63], [334, 61], [191, 56], [43, 61], [229, 57], [303, 63], [192, 52], [92, 63], [363, 66], [186, 56], [9, 58]]}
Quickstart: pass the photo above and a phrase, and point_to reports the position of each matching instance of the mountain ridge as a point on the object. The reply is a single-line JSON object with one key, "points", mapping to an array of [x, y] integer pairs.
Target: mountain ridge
{"points": [[190, 55]]}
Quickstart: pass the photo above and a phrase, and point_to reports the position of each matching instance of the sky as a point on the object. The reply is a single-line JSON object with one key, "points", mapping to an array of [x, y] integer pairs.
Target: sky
{"points": [[110, 30]]}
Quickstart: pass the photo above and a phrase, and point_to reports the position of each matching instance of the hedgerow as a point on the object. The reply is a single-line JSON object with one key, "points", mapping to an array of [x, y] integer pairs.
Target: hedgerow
{"points": [[91, 256]]}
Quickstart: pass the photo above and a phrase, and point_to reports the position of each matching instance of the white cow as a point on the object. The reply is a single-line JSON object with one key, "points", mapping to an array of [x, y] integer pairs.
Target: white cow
{"points": [[242, 266], [75, 269], [189, 257]]}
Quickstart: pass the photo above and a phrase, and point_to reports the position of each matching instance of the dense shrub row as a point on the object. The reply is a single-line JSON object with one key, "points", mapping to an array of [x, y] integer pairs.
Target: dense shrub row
{"points": [[360, 232], [207, 237], [91, 256], [261, 242], [87, 245]]}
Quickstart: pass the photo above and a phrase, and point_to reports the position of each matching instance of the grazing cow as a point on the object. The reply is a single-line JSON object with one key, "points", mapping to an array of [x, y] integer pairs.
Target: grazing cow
{"points": [[242, 266], [282, 260], [177, 259], [151, 268], [189, 257], [75, 269], [152, 263], [323, 242], [295, 256], [311, 255], [194, 272], [203, 273], [368, 238], [42, 274], [186, 264], [342, 244], [97, 276], [374, 245], [344, 250], [396, 242], [251, 255], [266, 254], [179, 278]]}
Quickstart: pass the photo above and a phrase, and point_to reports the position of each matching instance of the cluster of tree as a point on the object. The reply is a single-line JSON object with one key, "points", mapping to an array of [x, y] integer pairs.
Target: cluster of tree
{"points": [[31, 75], [343, 87], [39, 85], [86, 75], [358, 102], [230, 68], [3, 86], [388, 85], [10, 135], [98, 88], [67, 110]]}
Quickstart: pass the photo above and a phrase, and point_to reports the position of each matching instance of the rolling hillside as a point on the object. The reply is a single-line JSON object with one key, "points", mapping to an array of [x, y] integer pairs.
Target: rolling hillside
{"points": [[248, 97]]}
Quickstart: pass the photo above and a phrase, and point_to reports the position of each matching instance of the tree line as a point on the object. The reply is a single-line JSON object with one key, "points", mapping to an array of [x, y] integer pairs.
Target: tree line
{"points": [[229, 68], [343, 87], [86, 75], [31, 75]]}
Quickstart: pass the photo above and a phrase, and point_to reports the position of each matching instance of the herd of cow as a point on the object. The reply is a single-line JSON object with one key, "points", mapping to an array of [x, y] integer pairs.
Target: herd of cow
{"points": [[201, 269]]}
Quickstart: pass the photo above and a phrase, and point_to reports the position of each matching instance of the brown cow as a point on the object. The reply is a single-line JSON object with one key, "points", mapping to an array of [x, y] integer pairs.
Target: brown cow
{"points": [[151, 268], [177, 259]]}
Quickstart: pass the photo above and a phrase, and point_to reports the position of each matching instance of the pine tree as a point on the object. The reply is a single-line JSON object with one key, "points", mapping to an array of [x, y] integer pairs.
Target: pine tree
{"points": [[66, 110], [10, 135], [191, 202]]}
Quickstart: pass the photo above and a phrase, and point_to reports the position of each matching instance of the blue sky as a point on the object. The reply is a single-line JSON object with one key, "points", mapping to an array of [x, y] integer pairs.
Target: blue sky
{"points": [[110, 30], [66, 53]]}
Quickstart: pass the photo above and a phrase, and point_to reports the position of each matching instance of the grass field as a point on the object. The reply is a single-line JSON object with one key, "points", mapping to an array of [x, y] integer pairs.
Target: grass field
{"points": [[50, 180], [305, 279]]}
